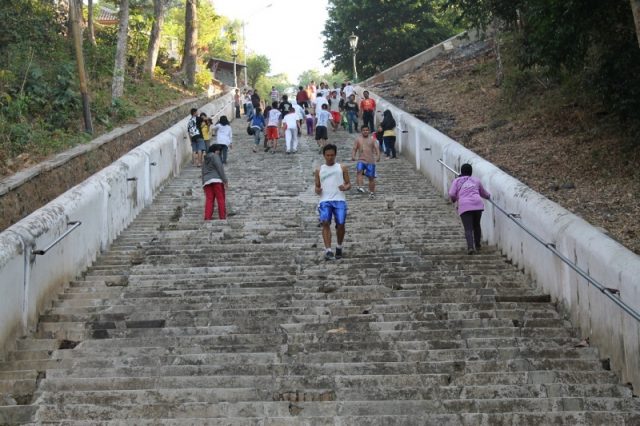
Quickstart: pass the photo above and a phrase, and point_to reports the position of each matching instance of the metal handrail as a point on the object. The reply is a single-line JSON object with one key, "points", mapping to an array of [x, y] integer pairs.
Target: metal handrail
{"points": [[57, 240], [552, 248]]}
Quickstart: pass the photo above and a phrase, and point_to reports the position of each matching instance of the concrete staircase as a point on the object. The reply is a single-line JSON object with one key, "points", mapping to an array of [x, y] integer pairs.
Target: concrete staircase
{"points": [[241, 322]]}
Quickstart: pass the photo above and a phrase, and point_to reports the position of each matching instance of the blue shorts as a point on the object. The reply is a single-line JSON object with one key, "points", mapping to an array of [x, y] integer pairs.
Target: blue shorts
{"points": [[369, 169], [337, 209], [198, 145]]}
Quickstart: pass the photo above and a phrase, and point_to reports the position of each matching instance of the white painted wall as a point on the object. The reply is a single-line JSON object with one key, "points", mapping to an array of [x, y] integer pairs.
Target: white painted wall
{"points": [[105, 203], [615, 333]]}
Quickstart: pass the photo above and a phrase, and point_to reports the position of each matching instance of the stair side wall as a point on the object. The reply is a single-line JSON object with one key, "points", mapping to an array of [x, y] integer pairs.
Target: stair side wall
{"points": [[105, 203]]}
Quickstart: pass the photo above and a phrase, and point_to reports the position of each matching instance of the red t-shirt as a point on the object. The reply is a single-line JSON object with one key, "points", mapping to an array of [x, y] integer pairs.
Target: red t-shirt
{"points": [[368, 105], [302, 96]]}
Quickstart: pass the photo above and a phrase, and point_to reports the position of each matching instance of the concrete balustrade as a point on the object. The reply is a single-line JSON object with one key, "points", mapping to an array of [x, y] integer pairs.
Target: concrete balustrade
{"points": [[614, 332], [106, 203]]}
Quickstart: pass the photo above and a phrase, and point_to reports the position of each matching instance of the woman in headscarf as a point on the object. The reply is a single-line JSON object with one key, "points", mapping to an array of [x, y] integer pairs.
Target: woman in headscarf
{"points": [[389, 134]]}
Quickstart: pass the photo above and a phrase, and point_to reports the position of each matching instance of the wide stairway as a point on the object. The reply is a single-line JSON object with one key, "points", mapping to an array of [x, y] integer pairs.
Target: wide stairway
{"points": [[242, 322]]}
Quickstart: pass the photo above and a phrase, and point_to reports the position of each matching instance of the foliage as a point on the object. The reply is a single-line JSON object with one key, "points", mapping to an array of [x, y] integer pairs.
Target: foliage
{"points": [[40, 107], [314, 75], [388, 31], [590, 41], [257, 67], [280, 81]]}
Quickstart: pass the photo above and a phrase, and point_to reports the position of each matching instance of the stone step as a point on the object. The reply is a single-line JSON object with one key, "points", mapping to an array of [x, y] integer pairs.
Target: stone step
{"points": [[187, 410], [573, 417], [242, 322], [284, 392]]}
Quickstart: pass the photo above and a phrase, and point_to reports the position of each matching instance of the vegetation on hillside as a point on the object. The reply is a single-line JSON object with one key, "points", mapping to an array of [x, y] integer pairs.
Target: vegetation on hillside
{"points": [[40, 102], [590, 45]]}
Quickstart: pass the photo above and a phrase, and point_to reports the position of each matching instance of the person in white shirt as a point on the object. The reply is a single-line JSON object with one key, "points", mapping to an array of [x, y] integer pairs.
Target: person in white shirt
{"points": [[322, 122], [348, 90], [273, 122], [299, 113], [291, 127], [224, 136], [331, 182], [320, 100]]}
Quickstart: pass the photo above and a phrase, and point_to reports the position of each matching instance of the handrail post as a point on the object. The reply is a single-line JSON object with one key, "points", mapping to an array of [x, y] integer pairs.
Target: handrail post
{"points": [[44, 251]]}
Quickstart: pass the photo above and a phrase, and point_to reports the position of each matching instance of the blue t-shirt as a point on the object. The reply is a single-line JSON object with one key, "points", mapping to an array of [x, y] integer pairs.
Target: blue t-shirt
{"points": [[257, 120]]}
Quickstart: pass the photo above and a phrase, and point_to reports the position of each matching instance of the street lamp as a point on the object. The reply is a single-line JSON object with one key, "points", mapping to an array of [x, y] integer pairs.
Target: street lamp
{"points": [[234, 48], [244, 42], [353, 42]]}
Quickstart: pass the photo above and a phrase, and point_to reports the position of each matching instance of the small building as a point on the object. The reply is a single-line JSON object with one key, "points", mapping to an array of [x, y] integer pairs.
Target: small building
{"points": [[222, 71], [107, 16]]}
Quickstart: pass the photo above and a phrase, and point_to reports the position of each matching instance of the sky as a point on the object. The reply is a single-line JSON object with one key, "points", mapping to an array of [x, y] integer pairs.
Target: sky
{"points": [[288, 32]]}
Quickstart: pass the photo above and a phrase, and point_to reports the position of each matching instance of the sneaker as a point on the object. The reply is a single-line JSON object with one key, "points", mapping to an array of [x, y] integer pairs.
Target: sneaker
{"points": [[372, 195], [267, 149], [471, 251], [288, 152], [338, 253], [361, 190], [329, 256]]}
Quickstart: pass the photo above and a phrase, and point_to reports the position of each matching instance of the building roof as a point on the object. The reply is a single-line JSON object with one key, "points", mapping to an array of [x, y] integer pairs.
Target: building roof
{"points": [[107, 16], [223, 64]]}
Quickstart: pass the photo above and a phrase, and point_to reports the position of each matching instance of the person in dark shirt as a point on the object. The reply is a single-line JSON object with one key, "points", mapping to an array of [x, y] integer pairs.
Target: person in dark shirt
{"points": [[351, 108], [284, 106]]}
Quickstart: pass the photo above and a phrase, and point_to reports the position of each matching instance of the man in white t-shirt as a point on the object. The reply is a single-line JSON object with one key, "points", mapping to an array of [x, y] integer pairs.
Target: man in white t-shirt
{"points": [[291, 127], [320, 100], [348, 90], [273, 122], [322, 123]]}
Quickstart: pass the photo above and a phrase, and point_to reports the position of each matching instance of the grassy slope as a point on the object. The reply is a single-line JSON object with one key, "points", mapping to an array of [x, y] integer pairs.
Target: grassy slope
{"points": [[550, 135], [142, 97]]}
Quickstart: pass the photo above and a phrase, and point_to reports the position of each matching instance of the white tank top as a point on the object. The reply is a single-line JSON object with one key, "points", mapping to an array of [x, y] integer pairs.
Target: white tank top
{"points": [[330, 179]]}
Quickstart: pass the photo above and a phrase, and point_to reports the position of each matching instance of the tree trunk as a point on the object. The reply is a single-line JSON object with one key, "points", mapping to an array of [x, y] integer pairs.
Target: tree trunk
{"points": [[190, 41], [92, 34], [117, 87], [76, 20], [496, 47], [635, 7], [154, 39]]}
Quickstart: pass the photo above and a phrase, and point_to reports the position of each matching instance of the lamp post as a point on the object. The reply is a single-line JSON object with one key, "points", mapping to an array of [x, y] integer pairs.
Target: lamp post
{"points": [[244, 43], [353, 42], [234, 48]]}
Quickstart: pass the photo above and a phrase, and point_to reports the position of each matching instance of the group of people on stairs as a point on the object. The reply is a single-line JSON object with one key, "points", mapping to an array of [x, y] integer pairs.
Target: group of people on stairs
{"points": [[319, 109]]}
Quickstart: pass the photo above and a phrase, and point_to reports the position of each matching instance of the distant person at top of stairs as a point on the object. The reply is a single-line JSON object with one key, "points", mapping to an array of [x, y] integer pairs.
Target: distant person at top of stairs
{"points": [[332, 180], [468, 192], [236, 102], [275, 96], [214, 183]]}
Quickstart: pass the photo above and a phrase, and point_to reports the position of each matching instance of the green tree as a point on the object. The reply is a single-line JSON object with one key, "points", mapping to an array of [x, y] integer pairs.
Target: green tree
{"points": [[388, 32], [314, 75], [589, 41], [257, 67], [280, 81]]}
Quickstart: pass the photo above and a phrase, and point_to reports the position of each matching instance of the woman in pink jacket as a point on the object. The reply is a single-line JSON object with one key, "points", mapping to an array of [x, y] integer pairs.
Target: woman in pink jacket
{"points": [[468, 192]]}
